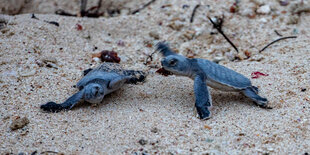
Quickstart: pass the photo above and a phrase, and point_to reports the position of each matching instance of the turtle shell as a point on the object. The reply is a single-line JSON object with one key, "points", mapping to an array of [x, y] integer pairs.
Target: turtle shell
{"points": [[221, 77]]}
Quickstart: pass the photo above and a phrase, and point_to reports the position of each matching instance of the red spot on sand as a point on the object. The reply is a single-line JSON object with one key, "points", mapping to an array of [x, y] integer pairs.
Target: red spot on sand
{"points": [[78, 27], [256, 75]]}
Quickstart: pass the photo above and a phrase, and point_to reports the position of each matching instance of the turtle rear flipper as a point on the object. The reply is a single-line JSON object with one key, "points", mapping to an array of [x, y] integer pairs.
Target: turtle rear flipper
{"points": [[251, 92], [68, 104]]}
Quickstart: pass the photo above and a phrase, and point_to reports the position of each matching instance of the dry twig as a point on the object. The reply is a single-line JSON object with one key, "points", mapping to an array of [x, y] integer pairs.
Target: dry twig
{"points": [[218, 26], [143, 7], [277, 41], [194, 12]]}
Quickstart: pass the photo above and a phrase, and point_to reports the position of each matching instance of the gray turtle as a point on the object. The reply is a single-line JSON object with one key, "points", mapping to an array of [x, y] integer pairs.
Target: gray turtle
{"points": [[206, 73], [97, 83]]}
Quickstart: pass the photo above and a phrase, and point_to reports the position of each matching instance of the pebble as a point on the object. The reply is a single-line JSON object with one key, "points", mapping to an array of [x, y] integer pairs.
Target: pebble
{"points": [[218, 59], [19, 123], [49, 60], [176, 25], [142, 141], [263, 20], [28, 73], [284, 2], [154, 35], [265, 9], [154, 130]]}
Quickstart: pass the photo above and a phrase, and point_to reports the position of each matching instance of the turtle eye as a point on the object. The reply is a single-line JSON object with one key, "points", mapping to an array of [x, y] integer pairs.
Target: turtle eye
{"points": [[172, 62]]}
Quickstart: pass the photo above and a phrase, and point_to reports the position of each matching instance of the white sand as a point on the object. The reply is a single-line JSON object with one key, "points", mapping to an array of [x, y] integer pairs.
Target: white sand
{"points": [[166, 103]]}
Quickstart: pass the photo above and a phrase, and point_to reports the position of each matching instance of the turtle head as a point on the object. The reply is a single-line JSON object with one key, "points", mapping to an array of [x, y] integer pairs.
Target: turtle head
{"points": [[177, 64], [94, 93]]}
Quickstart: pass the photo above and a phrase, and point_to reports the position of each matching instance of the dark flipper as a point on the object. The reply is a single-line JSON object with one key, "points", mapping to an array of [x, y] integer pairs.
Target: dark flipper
{"points": [[68, 104], [203, 98], [251, 92], [164, 49], [136, 76], [85, 72]]}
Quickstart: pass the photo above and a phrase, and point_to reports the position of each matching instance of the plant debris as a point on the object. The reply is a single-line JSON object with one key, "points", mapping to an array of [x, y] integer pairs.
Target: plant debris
{"points": [[33, 16], [278, 33], [194, 12], [78, 27], [234, 8], [149, 57], [142, 141], [19, 123], [256, 75], [91, 12], [163, 72], [143, 7], [218, 25], [277, 41], [52, 22], [107, 56]]}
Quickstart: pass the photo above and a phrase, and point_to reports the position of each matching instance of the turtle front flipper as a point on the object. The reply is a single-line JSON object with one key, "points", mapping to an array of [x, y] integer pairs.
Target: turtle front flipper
{"points": [[202, 96], [251, 92], [68, 104], [135, 76]]}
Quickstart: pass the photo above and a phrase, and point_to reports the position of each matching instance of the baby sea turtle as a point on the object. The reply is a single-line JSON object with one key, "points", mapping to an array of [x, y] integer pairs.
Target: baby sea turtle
{"points": [[206, 73], [97, 83]]}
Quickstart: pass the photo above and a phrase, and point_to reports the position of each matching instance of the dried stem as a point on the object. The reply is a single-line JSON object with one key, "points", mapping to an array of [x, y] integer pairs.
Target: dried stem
{"points": [[143, 7], [194, 12], [218, 26], [277, 41]]}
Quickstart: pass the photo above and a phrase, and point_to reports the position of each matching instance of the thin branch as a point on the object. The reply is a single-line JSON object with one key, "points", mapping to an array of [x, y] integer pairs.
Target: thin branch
{"points": [[149, 57], [218, 26], [194, 12], [143, 7], [91, 12], [63, 13], [49, 152], [83, 7], [277, 41], [278, 33]]}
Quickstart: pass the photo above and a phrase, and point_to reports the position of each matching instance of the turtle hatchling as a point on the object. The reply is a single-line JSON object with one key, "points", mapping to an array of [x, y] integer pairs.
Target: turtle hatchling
{"points": [[206, 73], [97, 83]]}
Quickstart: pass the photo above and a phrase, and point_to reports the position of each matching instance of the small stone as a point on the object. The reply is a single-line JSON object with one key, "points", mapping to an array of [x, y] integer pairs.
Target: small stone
{"points": [[218, 59], [265, 9], [96, 59], [19, 123], [176, 25], [249, 12], [49, 60], [189, 34], [28, 73], [283, 2], [231, 55], [257, 58], [263, 20], [209, 140], [303, 89], [154, 130], [293, 19], [142, 141], [154, 35]]}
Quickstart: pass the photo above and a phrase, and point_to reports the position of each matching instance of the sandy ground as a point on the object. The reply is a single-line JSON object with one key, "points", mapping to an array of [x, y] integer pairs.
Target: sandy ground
{"points": [[160, 111]]}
